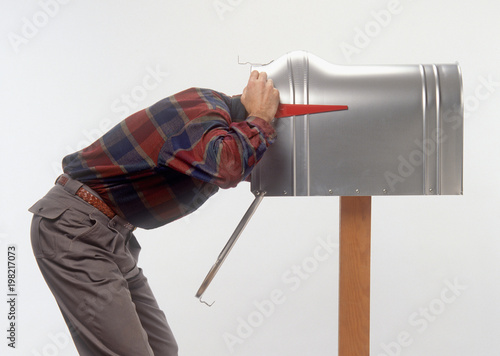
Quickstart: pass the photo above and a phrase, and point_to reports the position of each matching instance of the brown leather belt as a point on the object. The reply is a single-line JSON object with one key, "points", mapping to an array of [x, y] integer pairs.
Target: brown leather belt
{"points": [[89, 198]]}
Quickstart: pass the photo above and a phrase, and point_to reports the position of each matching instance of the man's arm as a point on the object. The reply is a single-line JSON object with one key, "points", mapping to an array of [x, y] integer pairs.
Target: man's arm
{"points": [[261, 101], [214, 149]]}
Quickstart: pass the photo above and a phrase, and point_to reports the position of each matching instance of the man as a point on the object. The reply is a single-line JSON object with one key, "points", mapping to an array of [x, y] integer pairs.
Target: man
{"points": [[155, 166]]}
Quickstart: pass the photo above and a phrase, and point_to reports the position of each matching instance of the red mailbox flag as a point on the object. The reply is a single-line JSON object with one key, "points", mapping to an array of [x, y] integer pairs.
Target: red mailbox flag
{"points": [[285, 110]]}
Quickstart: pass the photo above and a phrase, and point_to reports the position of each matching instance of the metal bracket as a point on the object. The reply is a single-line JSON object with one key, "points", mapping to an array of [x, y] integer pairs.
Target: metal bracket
{"points": [[253, 64], [229, 245]]}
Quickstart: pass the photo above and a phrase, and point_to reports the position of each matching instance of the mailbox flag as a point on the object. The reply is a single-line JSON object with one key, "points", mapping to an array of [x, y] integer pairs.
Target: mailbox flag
{"points": [[285, 110]]}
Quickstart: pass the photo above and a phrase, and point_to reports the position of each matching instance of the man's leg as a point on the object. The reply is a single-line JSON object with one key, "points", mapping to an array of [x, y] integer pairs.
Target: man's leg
{"points": [[100, 314], [85, 260], [152, 318]]}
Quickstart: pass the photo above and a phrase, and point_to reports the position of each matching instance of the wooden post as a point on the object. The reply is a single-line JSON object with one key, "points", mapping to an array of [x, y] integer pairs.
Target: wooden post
{"points": [[354, 280]]}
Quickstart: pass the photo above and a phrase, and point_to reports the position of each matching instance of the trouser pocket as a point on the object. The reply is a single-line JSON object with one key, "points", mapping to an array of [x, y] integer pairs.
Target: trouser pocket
{"points": [[54, 226]]}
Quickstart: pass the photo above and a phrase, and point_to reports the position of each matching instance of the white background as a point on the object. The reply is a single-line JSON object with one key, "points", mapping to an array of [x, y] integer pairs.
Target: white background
{"points": [[64, 72]]}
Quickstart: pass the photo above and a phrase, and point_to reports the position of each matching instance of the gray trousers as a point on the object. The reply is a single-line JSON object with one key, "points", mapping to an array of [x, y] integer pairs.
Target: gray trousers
{"points": [[90, 264]]}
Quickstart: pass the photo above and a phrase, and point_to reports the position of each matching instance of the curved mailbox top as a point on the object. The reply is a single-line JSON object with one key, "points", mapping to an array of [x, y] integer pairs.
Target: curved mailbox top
{"points": [[401, 135]]}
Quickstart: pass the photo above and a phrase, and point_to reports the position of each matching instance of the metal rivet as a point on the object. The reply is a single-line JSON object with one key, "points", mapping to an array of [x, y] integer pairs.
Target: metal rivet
{"points": [[431, 190], [384, 190], [357, 191], [285, 192], [330, 191]]}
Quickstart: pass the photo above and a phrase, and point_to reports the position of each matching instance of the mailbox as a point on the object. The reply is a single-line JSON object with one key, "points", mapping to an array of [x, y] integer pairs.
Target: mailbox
{"points": [[401, 135]]}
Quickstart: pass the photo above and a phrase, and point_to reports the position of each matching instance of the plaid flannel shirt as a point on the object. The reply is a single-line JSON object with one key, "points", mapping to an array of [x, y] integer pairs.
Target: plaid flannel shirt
{"points": [[165, 161]]}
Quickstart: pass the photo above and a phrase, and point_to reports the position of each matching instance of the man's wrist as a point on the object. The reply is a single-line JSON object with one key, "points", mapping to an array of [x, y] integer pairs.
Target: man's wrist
{"points": [[263, 116]]}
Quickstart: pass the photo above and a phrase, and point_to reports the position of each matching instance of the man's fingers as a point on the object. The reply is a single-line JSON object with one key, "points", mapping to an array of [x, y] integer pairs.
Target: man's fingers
{"points": [[260, 97], [254, 75]]}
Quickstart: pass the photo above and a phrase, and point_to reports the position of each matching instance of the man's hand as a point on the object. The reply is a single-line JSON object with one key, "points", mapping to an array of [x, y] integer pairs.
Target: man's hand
{"points": [[260, 97]]}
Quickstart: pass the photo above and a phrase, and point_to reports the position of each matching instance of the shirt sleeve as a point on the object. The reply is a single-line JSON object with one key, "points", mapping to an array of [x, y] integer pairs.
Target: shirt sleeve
{"points": [[213, 148]]}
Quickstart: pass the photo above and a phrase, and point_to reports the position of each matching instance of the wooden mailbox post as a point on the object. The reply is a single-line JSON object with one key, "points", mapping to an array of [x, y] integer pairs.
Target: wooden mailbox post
{"points": [[354, 279]]}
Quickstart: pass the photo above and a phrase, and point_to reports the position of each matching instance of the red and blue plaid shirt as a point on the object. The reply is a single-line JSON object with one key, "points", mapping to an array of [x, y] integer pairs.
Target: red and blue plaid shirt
{"points": [[163, 162]]}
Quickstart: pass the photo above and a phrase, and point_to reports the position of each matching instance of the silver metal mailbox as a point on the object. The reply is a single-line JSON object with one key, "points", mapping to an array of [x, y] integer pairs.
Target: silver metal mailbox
{"points": [[401, 135]]}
